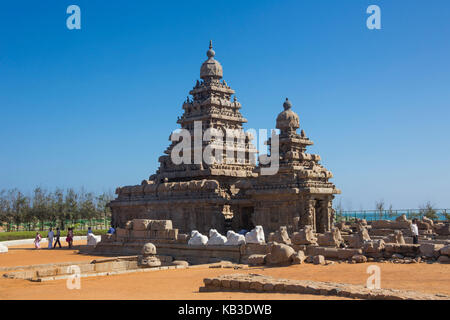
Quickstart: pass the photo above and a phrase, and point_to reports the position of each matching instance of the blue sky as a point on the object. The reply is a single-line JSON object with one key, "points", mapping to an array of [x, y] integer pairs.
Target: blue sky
{"points": [[95, 107]]}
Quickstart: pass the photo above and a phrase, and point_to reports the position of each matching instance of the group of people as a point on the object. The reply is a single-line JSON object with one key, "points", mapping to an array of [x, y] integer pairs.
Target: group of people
{"points": [[51, 235]]}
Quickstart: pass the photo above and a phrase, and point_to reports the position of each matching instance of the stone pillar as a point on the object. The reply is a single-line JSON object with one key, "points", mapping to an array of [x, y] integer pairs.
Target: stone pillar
{"points": [[308, 216]]}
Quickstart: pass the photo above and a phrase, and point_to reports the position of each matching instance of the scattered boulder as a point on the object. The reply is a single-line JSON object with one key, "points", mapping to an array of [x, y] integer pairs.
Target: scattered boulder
{"points": [[359, 258], [215, 238], [255, 236], [299, 257], [197, 239], [256, 259], [234, 239], [305, 236], [279, 253], [319, 259], [280, 236], [180, 263]]}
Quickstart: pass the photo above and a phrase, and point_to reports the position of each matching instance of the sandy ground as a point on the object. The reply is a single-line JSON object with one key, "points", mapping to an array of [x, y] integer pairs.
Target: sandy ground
{"points": [[24, 255], [184, 283]]}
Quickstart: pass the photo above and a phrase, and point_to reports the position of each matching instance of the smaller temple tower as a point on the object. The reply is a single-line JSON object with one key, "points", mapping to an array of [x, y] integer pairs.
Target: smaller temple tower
{"points": [[299, 193]]}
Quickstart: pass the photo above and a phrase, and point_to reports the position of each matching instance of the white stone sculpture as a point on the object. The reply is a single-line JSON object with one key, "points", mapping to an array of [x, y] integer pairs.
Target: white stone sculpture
{"points": [[255, 236], [215, 238], [3, 248], [197, 239], [92, 239], [234, 239]]}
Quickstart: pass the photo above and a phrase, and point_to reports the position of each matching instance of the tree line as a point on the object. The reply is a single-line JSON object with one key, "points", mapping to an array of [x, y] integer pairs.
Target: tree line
{"points": [[56, 207]]}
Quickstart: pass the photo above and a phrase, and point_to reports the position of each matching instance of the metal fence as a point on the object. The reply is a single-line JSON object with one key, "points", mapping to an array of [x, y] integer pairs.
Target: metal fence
{"points": [[371, 215]]}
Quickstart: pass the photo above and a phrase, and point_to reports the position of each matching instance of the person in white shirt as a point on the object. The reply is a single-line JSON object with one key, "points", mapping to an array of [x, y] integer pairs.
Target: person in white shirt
{"points": [[50, 236], [415, 231]]}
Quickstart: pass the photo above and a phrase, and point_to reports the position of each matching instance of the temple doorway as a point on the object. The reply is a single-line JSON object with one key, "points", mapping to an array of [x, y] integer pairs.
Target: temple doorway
{"points": [[319, 217], [246, 218]]}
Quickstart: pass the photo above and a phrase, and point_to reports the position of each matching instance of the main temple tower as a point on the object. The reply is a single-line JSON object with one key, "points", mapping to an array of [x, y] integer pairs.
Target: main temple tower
{"points": [[211, 108]]}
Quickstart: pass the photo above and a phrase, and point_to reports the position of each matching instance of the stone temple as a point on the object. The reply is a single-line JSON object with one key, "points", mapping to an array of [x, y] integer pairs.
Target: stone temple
{"points": [[231, 193]]}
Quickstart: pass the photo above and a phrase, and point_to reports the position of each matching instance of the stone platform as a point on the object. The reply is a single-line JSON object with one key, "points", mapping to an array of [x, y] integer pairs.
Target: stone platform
{"points": [[259, 283]]}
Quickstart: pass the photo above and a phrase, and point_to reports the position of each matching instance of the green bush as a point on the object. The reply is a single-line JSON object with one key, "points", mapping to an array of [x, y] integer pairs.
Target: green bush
{"points": [[19, 235]]}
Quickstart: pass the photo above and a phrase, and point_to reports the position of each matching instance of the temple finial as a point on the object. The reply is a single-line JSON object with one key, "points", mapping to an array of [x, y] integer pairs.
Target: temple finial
{"points": [[287, 104], [210, 53]]}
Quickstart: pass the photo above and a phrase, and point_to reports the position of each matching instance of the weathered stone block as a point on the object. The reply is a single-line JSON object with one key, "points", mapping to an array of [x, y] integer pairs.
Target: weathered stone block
{"points": [[256, 285], [335, 253], [430, 249], [161, 224], [46, 272], [140, 224], [404, 249], [139, 234], [123, 233], [388, 224], [162, 234], [332, 238], [305, 236], [173, 234], [444, 259], [62, 270], [445, 250], [118, 265], [103, 267], [87, 267], [256, 259]]}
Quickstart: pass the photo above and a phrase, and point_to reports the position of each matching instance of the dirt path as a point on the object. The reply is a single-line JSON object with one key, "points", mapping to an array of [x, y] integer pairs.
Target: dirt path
{"points": [[184, 283]]}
